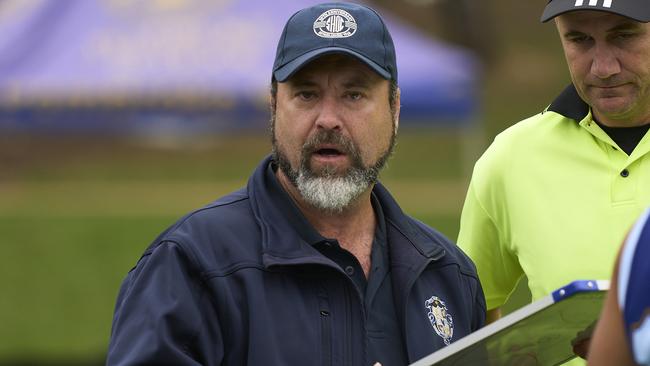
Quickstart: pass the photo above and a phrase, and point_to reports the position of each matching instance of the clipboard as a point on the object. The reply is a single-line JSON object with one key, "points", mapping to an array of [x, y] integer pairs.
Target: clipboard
{"points": [[540, 333]]}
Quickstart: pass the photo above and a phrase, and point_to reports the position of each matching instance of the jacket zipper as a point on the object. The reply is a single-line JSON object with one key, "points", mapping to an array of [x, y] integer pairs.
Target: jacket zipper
{"points": [[351, 292], [326, 329]]}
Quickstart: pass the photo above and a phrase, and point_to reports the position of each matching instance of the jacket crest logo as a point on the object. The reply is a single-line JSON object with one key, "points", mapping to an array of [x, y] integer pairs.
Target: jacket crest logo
{"points": [[335, 23], [440, 319]]}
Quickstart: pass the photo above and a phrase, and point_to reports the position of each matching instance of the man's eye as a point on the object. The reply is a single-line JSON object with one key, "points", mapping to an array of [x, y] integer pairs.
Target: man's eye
{"points": [[579, 39], [354, 95], [306, 95], [624, 35]]}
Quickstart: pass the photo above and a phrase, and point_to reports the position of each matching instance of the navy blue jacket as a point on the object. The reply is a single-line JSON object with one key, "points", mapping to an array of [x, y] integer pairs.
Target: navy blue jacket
{"points": [[234, 284]]}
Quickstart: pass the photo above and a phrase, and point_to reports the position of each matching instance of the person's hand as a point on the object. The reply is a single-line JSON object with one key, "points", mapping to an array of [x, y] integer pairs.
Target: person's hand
{"points": [[581, 347], [580, 344]]}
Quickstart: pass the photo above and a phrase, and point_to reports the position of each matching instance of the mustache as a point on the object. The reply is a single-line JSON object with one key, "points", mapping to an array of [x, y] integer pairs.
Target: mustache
{"points": [[329, 137], [607, 83]]}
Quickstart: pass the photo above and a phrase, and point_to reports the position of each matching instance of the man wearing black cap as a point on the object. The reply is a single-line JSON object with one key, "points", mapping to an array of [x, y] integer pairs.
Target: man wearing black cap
{"points": [[313, 262], [553, 194]]}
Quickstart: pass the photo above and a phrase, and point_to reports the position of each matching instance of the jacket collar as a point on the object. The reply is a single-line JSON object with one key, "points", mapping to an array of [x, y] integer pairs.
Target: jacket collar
{"points": [[400, 222], [288, 238], [570, 105]]}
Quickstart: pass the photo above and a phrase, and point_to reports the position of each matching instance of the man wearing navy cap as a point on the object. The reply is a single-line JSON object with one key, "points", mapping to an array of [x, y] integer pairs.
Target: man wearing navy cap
{"points": [[553, 194], [313, 262]]}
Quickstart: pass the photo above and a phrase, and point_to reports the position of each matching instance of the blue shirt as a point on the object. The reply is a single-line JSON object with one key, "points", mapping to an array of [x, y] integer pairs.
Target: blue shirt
{"points": [[634, 288]]}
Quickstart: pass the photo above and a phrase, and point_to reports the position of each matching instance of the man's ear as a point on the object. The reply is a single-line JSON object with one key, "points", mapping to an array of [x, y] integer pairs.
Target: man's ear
{"points": [[272, 96], [272, 103], [397, 107]]}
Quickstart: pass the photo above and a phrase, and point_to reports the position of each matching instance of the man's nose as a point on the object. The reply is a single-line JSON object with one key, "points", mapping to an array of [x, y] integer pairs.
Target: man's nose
{"points": [[329, 113], [605, 62]]}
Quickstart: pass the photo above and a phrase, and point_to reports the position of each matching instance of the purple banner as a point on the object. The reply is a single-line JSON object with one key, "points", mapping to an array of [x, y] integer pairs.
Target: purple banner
{"points": [[80, 52]]}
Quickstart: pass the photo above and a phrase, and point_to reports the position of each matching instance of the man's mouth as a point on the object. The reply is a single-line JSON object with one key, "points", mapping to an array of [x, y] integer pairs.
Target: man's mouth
{"points": [[328, 151], [609, 85]]}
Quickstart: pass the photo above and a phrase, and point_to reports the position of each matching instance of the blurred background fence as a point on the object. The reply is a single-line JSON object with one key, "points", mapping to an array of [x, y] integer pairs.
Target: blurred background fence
{"points": [[118, 116]]}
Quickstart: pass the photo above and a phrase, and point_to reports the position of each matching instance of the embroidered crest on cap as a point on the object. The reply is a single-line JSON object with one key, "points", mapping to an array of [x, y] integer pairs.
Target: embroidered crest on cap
{"points": [[440, 319], [335, 23]]}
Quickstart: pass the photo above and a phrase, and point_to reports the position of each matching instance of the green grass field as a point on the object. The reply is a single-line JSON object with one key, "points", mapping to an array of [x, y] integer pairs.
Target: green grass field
{"points": [[75, 215]]}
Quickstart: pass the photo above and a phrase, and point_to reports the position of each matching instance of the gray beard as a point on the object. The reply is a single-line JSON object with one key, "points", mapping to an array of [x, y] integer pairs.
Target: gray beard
{"points": [[325, 190], [333, 194]]}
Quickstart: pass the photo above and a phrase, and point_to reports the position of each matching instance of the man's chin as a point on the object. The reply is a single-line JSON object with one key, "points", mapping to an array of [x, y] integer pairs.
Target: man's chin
{"points": [[612, 108], [327, 174], [328, 171]]}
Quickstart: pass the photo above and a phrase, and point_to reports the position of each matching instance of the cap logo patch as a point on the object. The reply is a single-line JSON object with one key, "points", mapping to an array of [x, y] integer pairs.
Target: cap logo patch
{"points": [[335, 23], [606, 3]]}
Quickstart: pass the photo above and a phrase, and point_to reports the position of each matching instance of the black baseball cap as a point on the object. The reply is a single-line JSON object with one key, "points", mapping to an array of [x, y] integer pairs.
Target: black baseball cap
{"points": [[346, 28], [638, 10]]}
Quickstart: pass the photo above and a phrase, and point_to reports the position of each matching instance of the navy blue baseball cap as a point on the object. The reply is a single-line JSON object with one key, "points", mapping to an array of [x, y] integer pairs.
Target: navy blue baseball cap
{"points": [[638, 10], [346, 28]]}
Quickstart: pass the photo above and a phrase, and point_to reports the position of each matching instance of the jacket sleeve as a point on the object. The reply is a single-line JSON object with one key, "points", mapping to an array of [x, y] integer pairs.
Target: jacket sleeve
{"points": [[158, 317], [478, 319]]}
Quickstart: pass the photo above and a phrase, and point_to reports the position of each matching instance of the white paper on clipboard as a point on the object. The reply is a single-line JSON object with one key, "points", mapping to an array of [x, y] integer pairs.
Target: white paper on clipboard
{"points": [[539, 333]]}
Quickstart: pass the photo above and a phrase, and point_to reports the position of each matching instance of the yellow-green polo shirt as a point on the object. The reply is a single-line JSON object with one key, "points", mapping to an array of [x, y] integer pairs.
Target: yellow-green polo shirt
{"points": [[552, 198]]}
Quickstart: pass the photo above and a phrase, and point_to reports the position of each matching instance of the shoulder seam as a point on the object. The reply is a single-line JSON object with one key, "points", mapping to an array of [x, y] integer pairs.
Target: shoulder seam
{"points": [[170, 234]]}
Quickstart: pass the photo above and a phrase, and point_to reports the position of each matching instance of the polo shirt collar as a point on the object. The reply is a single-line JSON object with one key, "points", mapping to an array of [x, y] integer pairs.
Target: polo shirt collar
{"points": [[301, 225], [570, 105]]}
